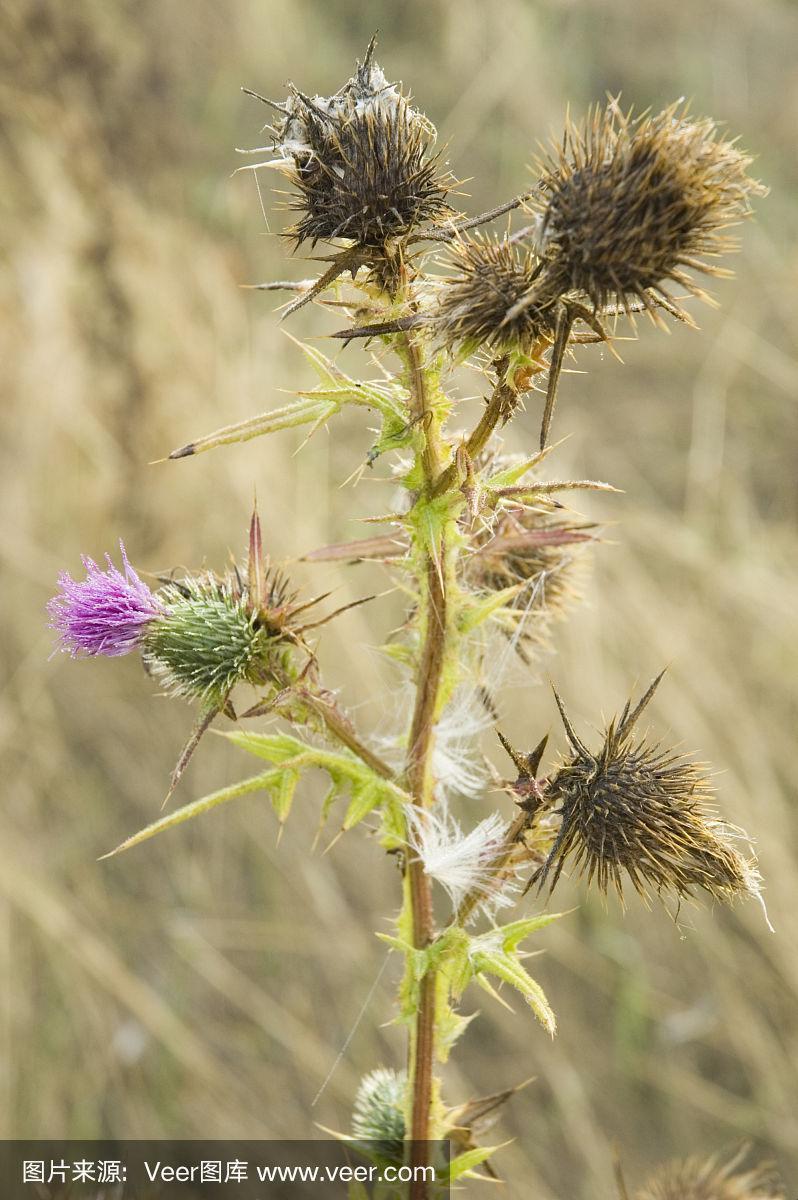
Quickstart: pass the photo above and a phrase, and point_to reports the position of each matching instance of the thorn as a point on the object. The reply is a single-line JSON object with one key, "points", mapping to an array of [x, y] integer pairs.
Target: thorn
{"points": [[518, 759], [569, 729], [628, 724], [339, 834], [256, 567]]}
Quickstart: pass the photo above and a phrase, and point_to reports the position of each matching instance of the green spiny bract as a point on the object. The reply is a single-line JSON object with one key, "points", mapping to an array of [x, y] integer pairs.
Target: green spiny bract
{"points": [[378, 1114], [360, 162], [627, 205], [707, 1179], [632, 807], [491, 300], [210, 638]]}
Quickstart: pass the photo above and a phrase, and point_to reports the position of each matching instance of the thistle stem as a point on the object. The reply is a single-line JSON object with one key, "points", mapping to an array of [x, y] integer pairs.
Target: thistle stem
{"points": [[341, 728], [419, 773], [500, 402]]}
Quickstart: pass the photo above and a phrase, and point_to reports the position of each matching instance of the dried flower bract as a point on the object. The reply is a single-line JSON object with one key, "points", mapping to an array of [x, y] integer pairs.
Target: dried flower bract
{"points": [[709, 1179], [634, 808], [628, 204], [360, 162], [490, 300]]}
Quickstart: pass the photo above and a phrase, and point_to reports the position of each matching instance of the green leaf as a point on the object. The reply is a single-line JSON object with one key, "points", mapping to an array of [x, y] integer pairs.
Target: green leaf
{"points": [[365, 797], [511, 475], [465, 1163], [306, 411], [347, 772], [475, 611], [313, 407], [283, 794], [392, 829], [387, 398], [256, 783], [506, 967], [514, 933]]}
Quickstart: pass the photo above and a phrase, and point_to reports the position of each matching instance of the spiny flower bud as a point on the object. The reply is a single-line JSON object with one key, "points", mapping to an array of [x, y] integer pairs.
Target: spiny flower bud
{"points": [[539, 548], [359, 161], [627, 204], [707, 1179], [211, 639], [632, 807], [378, 1114], [108, 612], [491, 299]]}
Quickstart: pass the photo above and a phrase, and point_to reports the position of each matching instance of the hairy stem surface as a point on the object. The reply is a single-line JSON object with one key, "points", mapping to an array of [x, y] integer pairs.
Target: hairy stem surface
{"points": [[419, 768]]}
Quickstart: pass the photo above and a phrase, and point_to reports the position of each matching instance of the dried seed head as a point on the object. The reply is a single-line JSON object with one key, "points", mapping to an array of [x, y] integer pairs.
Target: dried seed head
{"points": [[628, 204], [540, 548], [360, 162], [707, 1179], [491, 299], [378, 1114], [632, 807]]}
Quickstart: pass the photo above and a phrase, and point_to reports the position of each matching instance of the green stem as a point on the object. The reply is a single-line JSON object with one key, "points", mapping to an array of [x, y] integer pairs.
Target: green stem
{"points": [[433, 573]]}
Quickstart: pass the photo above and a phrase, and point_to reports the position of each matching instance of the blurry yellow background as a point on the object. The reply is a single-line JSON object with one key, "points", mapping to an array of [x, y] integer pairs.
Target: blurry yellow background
{"points": [[202, 985]]}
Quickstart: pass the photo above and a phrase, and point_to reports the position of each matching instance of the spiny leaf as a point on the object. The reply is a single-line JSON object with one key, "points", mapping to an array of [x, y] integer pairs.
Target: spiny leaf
{"points": [[506, 967], [347, 772], [515, 932], [263, 782], [365, 797], [475, 610], [516, 472], [387, 398], [305, 411], [465, 1163], [282, 794]]}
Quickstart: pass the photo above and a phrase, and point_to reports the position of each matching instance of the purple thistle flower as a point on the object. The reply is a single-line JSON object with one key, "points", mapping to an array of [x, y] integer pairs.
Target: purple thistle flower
{"points": [[105, 613]]}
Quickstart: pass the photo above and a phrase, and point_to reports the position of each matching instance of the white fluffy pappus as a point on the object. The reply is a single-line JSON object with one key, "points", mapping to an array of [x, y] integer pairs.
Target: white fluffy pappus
{"points": [[460, 863], [457, 766]]}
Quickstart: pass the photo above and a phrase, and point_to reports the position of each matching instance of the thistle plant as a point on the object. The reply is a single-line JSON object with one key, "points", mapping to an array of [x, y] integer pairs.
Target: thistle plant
{"points": [[485, 545]]}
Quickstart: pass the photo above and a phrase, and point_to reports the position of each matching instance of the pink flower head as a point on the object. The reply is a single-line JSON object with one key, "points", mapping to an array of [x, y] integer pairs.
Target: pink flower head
{"points": [[105, 613]]}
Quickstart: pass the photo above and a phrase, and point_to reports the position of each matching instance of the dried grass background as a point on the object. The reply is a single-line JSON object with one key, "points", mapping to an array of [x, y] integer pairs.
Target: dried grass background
{"points": [[202, 985]]}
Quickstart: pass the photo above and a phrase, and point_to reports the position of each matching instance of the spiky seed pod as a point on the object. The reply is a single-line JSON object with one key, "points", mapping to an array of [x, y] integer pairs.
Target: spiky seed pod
{"points": [[491, 298], [710, 1179], [633, 808], [210, 638], [543, 550], [378, 1114], [627, 204], [360, 162]]}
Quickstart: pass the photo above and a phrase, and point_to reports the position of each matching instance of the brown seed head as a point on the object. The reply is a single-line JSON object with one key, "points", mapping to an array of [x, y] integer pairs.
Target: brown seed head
{"points": [[360, 162], [541, 548], [707, 1179], [491, 299], [627, 204], [634, 808]]}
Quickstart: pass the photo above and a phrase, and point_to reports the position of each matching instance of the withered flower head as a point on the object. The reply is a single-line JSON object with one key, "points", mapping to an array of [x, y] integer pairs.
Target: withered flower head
{"points": [[541, 548], [491, 299], [635, 808], [628, 204], [360, 161], [708, 1179]]}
